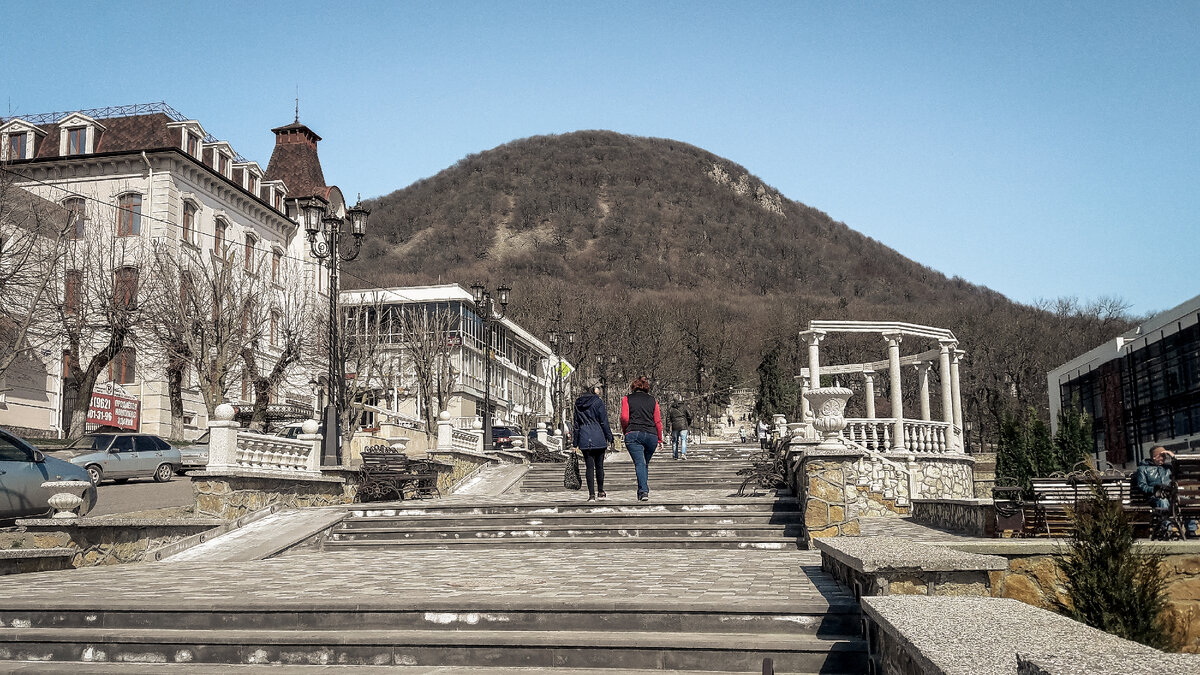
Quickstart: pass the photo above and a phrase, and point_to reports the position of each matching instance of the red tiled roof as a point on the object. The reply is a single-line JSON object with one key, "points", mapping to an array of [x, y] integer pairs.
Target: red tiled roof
{"points": [[136, 132], [295, 161]]}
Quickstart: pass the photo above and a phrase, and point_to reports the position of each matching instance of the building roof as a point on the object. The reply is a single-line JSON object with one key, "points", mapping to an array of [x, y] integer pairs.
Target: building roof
{"points": [[136, 132], [295, 161]]}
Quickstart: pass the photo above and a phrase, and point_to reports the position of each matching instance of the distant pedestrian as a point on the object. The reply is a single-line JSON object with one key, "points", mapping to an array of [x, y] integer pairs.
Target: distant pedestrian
{"points": [[641, 422], [681, 419], [761, 428], [592, 435], [742, 433]]}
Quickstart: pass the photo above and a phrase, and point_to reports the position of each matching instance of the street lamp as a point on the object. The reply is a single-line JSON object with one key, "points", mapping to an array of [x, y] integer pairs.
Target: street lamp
{"points": [[568, 338], [318, 220], [485, 309]]}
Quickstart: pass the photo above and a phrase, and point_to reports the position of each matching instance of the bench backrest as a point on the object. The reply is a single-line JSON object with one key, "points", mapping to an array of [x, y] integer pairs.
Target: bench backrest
{"points": [[1185, 471], [1068, 491]]}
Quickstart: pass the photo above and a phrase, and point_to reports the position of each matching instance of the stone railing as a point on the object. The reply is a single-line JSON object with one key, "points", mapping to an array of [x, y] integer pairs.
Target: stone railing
{"points": [[272, 453], [921, 436], [465, 422], [233, 450], [450, 438], [470, 441]]}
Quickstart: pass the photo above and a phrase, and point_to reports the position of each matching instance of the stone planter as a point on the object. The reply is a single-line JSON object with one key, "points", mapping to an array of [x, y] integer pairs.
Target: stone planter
{"points": [[66, 496], [828, 406]]}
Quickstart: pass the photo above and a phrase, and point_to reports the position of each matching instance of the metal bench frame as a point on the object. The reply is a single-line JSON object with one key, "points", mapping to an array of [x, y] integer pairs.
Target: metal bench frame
{"points": [[389, 475]]}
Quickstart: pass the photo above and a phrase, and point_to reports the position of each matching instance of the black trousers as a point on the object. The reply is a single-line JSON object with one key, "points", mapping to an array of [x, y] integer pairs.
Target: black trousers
{"points": [[595, 469]]}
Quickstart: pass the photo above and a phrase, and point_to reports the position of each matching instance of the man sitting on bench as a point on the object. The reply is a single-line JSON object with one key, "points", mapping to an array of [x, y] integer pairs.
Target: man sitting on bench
{"points": [[1152, 474]]}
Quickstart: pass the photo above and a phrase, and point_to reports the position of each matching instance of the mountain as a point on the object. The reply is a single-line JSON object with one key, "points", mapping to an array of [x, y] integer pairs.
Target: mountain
{"points": [[689, 267]]}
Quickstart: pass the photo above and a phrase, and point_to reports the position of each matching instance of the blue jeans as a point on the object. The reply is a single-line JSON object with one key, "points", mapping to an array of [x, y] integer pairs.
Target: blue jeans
{"points": [[641, 446], [680, 443]]}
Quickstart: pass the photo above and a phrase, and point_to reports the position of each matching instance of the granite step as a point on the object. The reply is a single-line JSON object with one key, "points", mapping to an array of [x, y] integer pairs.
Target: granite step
{"points": [[618, 531], [814, 616], [774, 543], [729, 652], [727, 518], [577, 506]]}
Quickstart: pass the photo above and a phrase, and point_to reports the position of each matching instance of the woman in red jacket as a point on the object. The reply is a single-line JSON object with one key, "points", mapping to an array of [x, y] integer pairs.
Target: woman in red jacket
{"points": [[641, 422]]}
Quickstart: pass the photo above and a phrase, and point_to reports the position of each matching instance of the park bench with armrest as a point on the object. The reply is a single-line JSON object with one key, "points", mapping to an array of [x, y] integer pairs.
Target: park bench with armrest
{"points": [[1049, 513], [1183, 495], [387, 475]]}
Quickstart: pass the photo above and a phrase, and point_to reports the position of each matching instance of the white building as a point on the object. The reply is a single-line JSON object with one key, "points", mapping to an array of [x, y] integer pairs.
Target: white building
{"points": [[143, 174], [522, 377]]}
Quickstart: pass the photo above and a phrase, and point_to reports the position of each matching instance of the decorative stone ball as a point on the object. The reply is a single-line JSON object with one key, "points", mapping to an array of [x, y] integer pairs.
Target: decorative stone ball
{"points": [[224, 413], [310, 427], [444, 416], [477, 424], [541, 425], [516, 443]]}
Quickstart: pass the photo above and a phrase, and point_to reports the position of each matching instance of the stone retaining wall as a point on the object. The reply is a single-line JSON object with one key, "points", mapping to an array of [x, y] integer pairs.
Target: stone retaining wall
{"points": [[229, 496], [463, 464], [112, 541], [972, 517]]}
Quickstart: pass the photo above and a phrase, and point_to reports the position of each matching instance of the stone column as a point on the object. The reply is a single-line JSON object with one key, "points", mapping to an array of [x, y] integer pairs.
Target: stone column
{"points": [[804, 411], [310, 436], [944, 371], [445, 431], [869, 378], [541, 433], [893, 340], [956, 396], [923, 377], [814, 338], [222, 439]]}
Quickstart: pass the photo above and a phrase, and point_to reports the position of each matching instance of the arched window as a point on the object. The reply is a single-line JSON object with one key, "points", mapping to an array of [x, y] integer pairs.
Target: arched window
{"points": [[219, 239], [251, 240], [129, 215], [276, 263], [78, 208], [189, 222]]}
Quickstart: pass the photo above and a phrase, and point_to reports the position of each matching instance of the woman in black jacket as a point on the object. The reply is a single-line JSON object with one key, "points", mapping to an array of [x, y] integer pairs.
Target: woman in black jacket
{"points": [[592, 435]]}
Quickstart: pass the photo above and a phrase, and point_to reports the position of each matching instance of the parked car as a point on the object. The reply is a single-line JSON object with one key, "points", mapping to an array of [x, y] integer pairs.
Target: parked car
{"points": [[123, 456], [502, 437], [194, 455], [23, 469]]}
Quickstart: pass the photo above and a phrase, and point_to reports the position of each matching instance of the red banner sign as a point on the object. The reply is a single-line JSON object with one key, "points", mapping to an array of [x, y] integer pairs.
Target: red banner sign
{"points": [[115, 411]]}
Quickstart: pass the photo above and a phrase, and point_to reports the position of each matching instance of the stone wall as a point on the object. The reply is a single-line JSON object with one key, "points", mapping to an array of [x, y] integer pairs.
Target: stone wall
{"points": [[825, 496], [950, 476], [19, 561], [227, 496], [112, 541], [972, 517], [464, 465]]}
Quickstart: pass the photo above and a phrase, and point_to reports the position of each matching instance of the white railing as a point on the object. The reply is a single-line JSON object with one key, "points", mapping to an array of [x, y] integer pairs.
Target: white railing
{"points": [[464, 422], [469, 441], [921, 436], [272, 453]]}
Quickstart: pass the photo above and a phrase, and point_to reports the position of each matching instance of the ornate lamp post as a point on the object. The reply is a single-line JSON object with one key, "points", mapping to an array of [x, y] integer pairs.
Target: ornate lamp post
{"points": [[568, 338], [327, 249], [485, 309]]}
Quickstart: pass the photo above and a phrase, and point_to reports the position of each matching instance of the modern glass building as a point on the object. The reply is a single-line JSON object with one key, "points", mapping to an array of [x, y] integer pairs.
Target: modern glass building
{"points": [[1142, 389]]}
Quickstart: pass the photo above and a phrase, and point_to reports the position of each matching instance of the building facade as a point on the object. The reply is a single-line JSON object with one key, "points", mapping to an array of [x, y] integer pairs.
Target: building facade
{"points": [[147, 180], [523, 367], [1141, 390]]}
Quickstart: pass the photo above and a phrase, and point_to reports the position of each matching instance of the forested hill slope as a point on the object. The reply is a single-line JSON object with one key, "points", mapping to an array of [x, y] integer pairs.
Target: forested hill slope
{"points": [[635, 212], [690, 268]]}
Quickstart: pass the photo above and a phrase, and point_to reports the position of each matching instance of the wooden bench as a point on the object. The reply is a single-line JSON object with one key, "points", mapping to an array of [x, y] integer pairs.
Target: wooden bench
{"points": [[1050, 512], [1184, 492], [389, 475]]}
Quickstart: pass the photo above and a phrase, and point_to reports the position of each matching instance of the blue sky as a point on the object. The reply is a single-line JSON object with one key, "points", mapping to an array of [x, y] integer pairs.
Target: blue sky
{"points": [[1043, 149]]}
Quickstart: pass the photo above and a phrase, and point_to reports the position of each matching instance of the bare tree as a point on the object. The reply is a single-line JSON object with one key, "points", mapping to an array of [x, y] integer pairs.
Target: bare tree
{"points": [[426, 335], [101, 302], [361, 340], [33, 237], [284, 309]]}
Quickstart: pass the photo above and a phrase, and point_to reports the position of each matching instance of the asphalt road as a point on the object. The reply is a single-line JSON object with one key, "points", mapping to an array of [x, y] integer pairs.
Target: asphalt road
{"points": [[141, 494]]}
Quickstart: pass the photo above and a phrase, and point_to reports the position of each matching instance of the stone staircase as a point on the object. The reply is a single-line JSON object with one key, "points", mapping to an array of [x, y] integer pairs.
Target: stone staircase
{"points": [[697, 580]]}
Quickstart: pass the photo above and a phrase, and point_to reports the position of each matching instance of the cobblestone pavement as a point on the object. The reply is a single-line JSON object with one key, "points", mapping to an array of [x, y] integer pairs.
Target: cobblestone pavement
{"points": [[907, 529], [501, 577]]}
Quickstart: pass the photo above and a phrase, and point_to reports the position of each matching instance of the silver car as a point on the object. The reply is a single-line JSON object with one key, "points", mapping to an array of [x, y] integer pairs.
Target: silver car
{"points": [[121, 456], [23, 469], [194, 455]]}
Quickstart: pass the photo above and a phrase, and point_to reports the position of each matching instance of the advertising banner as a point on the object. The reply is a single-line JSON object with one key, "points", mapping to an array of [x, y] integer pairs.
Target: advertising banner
{"points": [[116, 411]]}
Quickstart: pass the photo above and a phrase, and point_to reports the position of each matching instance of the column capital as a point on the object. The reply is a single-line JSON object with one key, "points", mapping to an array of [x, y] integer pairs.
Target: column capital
{"points": [[948, 345], [957, 355], [868, 375], [893, 337], [923, 366], [813, 337]]}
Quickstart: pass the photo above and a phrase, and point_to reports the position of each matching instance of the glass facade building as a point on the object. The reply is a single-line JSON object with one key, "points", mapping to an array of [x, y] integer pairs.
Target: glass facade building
{"points": [[1142, 390]]}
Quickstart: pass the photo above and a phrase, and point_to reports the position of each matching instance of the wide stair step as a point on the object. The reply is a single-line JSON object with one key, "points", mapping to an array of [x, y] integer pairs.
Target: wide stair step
{"points": [[807, 637]]}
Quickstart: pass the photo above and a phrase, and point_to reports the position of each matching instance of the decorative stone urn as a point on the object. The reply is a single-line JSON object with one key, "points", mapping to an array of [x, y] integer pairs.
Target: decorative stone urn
{"points": [[828, 406], [66, 496]]}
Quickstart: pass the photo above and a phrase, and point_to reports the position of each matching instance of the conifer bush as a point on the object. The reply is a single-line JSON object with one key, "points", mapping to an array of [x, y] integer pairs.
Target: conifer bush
{"points": [[1110, 585]]}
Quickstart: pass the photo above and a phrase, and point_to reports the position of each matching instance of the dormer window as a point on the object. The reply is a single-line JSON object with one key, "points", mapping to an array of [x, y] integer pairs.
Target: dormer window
{"points": [[251, 183], [77, 141], [129, 215], [17, 144], [193, 145], [223, 164]]}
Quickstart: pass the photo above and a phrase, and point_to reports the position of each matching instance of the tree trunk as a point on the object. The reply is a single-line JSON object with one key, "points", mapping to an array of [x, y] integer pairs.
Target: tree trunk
{"points": [[175, 394]]}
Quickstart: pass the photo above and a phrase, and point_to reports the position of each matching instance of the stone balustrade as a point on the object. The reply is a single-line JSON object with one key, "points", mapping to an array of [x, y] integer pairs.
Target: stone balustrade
{"points": [[260, 452], [920, 436], [468, 440]]}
